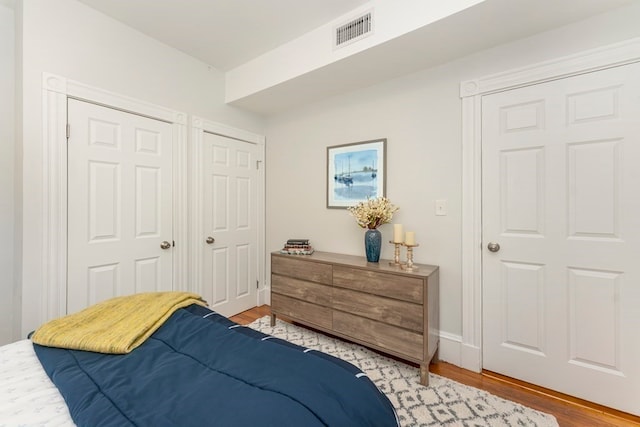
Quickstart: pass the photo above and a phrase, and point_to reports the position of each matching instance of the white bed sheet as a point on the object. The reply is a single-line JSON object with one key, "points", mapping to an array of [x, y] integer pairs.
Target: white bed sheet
{"points": [[27, 395]]}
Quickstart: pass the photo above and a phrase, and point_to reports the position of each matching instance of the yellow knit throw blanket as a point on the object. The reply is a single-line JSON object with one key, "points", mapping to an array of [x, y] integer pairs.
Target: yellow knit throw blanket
{"points": [[115, 326]]}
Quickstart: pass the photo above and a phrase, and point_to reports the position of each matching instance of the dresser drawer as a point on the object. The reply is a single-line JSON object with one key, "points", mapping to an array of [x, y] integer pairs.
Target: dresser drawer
{"points": [[384, 284], [394, 312], [300, 269], [305, 311], [395, 340], [300, 289]]}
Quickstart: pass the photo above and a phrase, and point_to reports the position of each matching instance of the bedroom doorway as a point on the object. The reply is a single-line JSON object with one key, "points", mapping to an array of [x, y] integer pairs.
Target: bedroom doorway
{"points": [[561, 234], [119, 210]]}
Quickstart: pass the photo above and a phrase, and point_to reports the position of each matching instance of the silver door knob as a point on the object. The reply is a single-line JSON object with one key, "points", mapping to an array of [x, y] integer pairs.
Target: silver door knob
{"points": [[493, 247], [165, 245], [210, 240]]}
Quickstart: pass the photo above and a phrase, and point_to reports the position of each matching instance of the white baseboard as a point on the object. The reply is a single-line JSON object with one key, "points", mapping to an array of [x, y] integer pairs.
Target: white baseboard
{"points": [[449, 348], [470, 357], [453, 351], [264, 296]]}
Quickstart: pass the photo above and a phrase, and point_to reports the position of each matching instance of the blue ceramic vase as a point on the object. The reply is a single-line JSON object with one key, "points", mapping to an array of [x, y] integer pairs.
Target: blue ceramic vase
{"points": [[372, 245]]}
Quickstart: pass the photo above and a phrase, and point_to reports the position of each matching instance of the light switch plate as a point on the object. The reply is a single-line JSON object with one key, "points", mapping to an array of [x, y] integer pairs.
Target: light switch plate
{"points": [[441, 207]]}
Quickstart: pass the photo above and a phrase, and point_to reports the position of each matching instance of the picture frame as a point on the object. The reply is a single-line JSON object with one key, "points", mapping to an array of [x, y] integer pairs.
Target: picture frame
{"points": [[356, 172]]}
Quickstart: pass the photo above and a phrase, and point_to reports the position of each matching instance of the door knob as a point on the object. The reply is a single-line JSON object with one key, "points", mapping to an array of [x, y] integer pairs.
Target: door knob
{"points": [[165, 245], [210, 240], [493, 247]]}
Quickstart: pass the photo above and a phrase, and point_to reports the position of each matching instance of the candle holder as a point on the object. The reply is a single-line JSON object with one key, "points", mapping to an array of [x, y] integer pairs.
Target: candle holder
{"points": [[396, 255], [409, 266]]}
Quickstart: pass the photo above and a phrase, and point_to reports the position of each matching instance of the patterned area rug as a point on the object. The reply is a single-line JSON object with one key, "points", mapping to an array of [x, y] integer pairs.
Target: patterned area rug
{"points": [[443, 403]]}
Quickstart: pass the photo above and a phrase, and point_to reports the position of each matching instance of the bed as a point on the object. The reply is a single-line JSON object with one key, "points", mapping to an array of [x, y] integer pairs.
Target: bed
{"points": [[197, 368]]}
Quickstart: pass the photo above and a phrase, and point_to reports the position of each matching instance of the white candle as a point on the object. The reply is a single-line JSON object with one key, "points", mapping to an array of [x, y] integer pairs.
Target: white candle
{"points": [[410, 238], [397, 233]]}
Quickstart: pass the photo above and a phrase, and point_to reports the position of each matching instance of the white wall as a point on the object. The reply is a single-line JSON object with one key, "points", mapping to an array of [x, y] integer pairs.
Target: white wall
{"points": [[420, 115], [17, 176], [7, 148], [66, 38]]}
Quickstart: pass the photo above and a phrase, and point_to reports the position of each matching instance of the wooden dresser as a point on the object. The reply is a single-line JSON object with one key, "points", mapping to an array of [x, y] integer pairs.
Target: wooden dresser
{"points": [[373, 304]]}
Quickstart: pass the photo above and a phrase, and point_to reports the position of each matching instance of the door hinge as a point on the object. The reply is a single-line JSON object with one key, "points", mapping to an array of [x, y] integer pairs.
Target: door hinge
{"points": [[68, 130], [258, 164], [173, 242], [257, 284]]}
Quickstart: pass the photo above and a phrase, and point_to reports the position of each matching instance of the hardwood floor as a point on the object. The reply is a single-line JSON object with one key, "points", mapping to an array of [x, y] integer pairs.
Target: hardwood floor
{"points": [[569, 411]]}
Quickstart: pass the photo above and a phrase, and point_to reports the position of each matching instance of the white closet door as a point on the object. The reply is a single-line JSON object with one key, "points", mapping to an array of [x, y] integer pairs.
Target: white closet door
{"points": [[561, 175], [120, 204], [230, 206]]}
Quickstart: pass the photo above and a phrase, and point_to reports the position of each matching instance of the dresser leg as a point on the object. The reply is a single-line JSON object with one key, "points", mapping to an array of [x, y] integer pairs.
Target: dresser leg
{"points": [[273, 320], [424, 375]]}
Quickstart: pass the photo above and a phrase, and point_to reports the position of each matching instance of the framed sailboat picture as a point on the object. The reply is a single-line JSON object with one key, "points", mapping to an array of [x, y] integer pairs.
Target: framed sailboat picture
{"points": [[355, 172]]}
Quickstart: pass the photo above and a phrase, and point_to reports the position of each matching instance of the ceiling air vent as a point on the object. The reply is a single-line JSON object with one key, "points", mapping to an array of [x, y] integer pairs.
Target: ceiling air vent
{"points": [[354, 30]]}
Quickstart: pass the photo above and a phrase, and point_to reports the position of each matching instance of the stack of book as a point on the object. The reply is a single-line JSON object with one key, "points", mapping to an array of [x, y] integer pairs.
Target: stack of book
{"points": [[297, 247]]}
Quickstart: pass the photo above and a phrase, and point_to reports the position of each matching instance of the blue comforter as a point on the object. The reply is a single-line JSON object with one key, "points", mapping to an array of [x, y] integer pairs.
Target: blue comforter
{"points": [[201, 369]]}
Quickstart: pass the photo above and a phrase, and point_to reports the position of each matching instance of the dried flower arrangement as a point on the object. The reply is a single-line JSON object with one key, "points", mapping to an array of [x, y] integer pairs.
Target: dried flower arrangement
{"points": [[372, 213]]}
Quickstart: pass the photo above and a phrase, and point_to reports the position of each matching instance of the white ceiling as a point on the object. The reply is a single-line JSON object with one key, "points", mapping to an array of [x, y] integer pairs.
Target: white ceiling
{"points": [[228, 33], [224, 33]]}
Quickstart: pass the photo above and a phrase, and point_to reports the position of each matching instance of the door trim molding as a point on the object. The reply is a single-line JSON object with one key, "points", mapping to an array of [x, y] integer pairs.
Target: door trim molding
{"points": [[199, 126], [471, 92], [55, 92]]}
